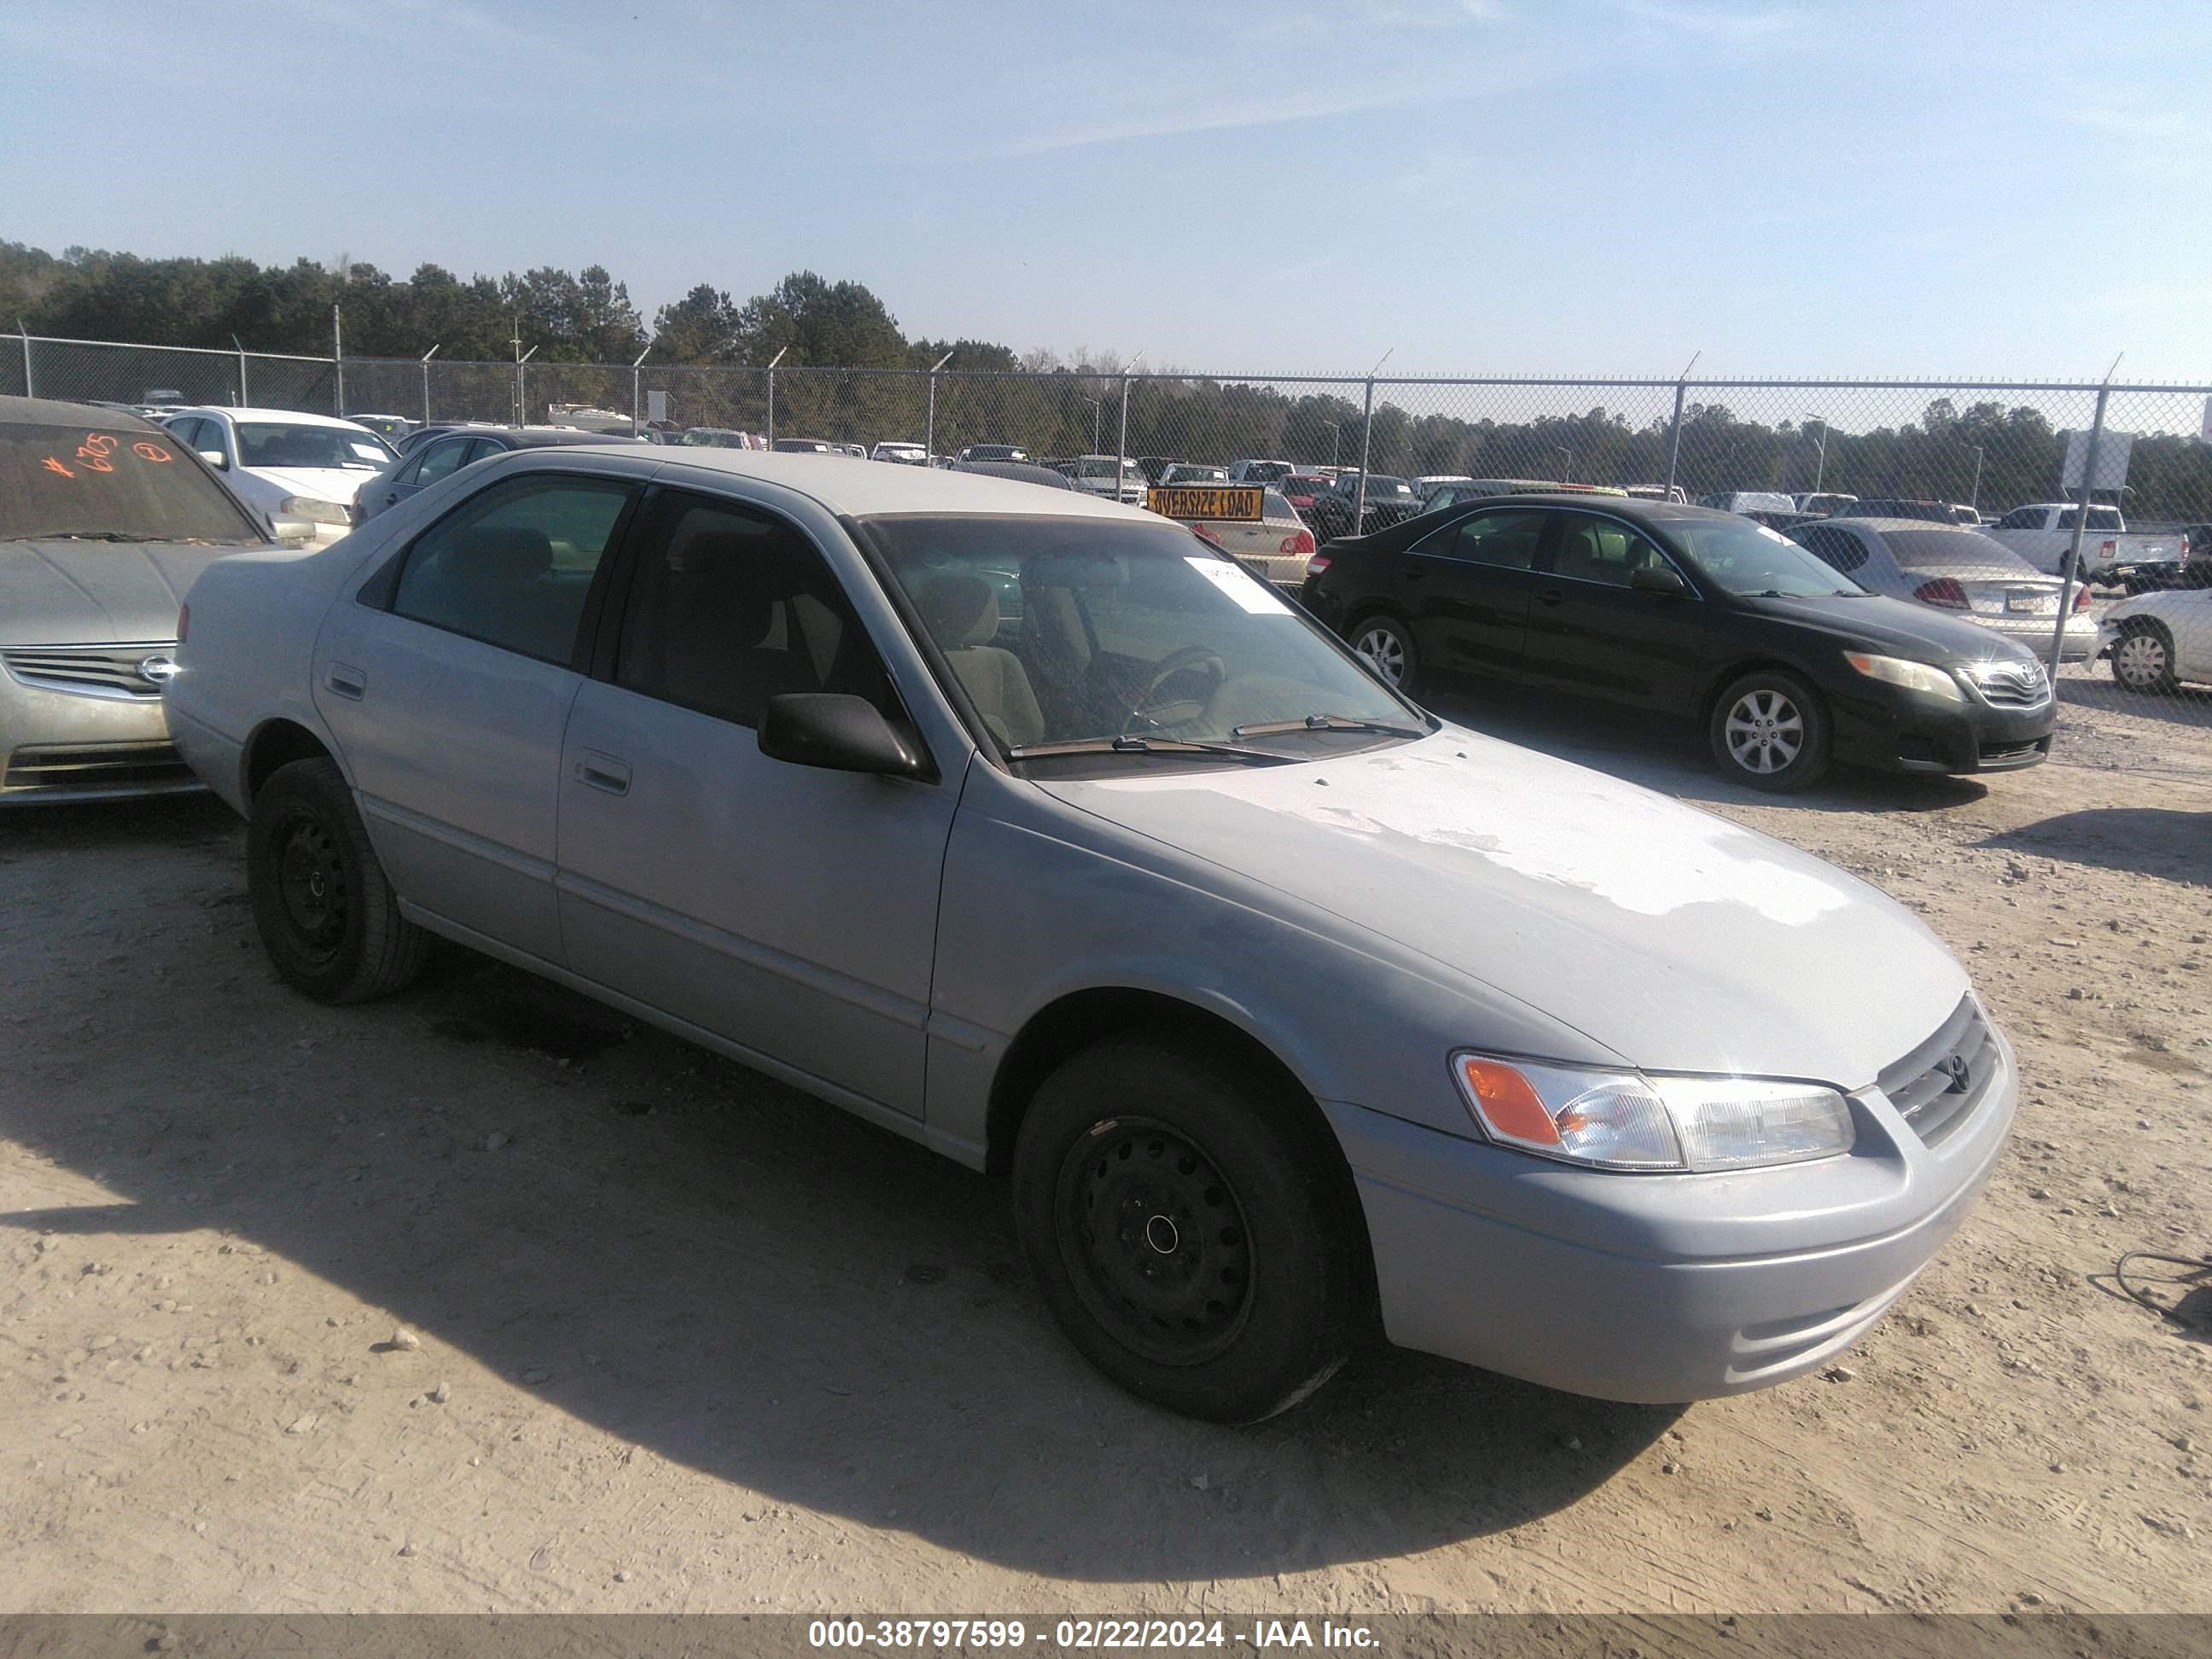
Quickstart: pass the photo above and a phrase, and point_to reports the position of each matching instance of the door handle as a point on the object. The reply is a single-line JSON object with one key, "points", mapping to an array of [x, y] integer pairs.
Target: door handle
{"points": [[604, 772], [347, 680], [1411, 570], [1552, 595]]}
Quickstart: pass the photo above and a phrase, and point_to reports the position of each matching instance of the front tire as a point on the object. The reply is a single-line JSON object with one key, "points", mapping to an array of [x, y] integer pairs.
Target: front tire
{"points": [[1386, 644], [327, 916], [1770, 730], [1185, 1230], [2143, 658]]}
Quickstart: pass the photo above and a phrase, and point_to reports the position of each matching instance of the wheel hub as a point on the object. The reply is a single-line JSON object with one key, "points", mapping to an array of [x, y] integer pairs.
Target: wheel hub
{"points": [[1156, 1241], [311, 883]]}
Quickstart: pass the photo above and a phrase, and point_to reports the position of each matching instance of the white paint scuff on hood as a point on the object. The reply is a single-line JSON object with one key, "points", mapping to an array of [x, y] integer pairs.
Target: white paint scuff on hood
{"points": [[1670, 935]]}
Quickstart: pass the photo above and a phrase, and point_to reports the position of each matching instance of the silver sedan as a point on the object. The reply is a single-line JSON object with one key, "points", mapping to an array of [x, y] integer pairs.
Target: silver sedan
{"points": [[1959, 570]]}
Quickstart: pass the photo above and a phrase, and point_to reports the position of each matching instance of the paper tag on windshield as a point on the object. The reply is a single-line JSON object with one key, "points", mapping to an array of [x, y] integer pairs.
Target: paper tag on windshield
{"points": [[1240, 584]]}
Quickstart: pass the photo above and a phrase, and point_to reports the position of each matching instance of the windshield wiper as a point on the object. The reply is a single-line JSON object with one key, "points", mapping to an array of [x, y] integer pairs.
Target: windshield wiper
{"points": [[1134, 745], [88, 536], [1326, 723]]}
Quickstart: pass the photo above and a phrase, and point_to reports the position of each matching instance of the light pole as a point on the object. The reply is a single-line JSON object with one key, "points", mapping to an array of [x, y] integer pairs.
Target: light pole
{"points": [[929, 432], [772, 363], [1820, 471], [1568, 477], [1334, 433], [522, 386], [1974, 496], [427, 356], [1122, 444], [1098, 414]]}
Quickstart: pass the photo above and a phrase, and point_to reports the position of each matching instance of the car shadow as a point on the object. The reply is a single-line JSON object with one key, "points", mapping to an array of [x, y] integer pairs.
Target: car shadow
{"points": [[1659, 752], [2148, 840], [719, 1270]]}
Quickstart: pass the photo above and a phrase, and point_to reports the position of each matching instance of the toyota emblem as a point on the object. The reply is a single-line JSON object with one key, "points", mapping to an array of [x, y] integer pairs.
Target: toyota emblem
{"points": [[1961, 1073]]}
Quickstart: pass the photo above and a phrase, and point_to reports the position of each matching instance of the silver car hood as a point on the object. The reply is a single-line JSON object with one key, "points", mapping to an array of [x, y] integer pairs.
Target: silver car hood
{"points": [[66, 592], [1670, 935]]}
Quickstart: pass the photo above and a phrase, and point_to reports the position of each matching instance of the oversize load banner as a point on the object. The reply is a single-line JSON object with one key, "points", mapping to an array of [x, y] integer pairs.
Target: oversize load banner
{"points": [[1231, 503]]}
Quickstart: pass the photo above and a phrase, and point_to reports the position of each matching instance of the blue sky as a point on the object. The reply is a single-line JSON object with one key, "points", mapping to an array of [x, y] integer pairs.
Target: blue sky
{"points": [[1512, 186]]}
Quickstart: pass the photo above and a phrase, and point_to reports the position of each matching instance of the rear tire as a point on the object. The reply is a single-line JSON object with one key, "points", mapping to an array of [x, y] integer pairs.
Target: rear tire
{"points": [[1770, 730], [1186, 1230], [327, 916], [2142, 658], [1387, 645]]}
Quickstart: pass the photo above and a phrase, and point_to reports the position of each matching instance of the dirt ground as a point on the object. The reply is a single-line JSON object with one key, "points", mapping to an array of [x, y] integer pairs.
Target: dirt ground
{"points": [[689, 1341]]}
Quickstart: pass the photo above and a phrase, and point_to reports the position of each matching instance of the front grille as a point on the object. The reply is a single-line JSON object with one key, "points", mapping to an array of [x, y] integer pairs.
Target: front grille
{"points": [[114, 671], [2009, 684], [1936, 1087], [95, 766]]}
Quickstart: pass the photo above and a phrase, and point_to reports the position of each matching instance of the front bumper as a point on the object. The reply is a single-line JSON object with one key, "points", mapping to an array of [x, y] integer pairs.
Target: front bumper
{"points": [[1660, 1288], [1913, 732], [58, 746]]}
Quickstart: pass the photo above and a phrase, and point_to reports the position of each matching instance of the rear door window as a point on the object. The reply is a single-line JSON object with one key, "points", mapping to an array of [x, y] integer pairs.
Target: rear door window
{"points": [[1506, 539], [513, 565], [442, 459]]}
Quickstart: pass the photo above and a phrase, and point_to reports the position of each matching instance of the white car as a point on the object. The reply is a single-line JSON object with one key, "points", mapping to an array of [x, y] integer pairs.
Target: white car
{"points": [[1109, 476], [897, 449], [285, 464], [2158, 640]]}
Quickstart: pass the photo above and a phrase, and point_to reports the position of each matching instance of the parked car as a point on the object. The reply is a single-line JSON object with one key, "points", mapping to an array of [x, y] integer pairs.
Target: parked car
{"points": [[1896, 506], [1153, 466], [105, 519], [994, 452], [805, 447], [1259, 472], [1387, 500], [1109, 476], [422, 434], [282, 462], [1528, 1066], [1768, 507], [720, 437], [390, 428], [1820, 503], [2042, 532], [2156, 641], [443, 457], [1192, 472], [1299, 488], [1428, 481], [1785, 663], [1021, 471], [1953, 568], [900, 452], [1475, 490], [1273, 547]]}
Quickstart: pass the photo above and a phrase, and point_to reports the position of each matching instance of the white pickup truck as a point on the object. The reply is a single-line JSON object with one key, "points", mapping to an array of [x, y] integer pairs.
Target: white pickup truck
{"points": [[2110, 554]]}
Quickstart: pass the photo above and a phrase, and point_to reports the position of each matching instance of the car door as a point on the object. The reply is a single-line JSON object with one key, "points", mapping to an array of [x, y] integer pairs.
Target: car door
{"points": [[447, 688], [1589, 632], [788, 909], [1467, 589]]}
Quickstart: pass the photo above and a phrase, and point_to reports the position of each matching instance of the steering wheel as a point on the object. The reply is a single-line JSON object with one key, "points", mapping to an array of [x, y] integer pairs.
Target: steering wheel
{"points": [[1191, 657]]}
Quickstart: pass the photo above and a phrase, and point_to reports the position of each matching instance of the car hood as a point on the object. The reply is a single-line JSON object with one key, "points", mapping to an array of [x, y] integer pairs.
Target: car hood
{"points": [[1892, 627], [336, 484], [64, 592], [1672, 937]]}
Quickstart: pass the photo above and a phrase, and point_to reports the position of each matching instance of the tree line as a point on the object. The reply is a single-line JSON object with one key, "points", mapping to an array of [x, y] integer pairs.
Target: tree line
{"points": [[585, 330]]}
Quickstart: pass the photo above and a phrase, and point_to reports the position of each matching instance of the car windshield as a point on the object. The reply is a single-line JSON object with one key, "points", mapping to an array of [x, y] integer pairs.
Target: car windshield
{"points": [[106, 485], [1747, 559], [1266, 472], [273, 444], [1199, 474], [1379, 485], [1099, 466], [1069, 630]]}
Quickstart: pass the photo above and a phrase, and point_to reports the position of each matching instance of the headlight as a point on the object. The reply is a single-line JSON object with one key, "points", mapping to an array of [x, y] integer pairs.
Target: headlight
{"points": [[1912, 676], [306, 506], [1626, 1120]]}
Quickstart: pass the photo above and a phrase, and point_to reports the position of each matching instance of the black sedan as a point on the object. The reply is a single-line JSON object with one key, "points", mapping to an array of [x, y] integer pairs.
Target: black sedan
{"points": [[448, 452], [1787, 664], [1389, 500]]}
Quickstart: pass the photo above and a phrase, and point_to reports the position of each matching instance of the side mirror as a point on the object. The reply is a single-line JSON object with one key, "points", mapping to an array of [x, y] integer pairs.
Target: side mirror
{"points": [[293, 532], [214, 458], [837, 732], [1657, 578]]}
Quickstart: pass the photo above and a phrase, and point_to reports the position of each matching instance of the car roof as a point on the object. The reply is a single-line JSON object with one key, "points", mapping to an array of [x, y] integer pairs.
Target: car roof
{"points": [[289, 417], [56, 412], [1635, 507], [1916, 526], [847, 484]]}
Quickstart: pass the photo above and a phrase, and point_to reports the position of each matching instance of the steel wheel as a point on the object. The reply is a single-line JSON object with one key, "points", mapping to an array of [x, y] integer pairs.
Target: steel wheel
{"points": [[1765, 732], [1382, 645], [1155, 1240], [311, 879], [2144, 660]]}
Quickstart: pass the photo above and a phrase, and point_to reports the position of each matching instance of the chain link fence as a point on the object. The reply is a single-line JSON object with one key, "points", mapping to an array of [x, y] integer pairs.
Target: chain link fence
{"points": [[2119, 601]]}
